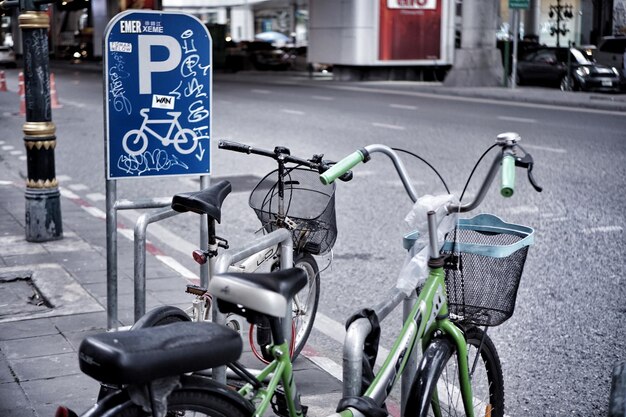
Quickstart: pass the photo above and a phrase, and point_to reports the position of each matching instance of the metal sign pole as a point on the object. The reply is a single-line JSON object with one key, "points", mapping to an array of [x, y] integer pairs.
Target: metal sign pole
{"points": [[515, 45]]}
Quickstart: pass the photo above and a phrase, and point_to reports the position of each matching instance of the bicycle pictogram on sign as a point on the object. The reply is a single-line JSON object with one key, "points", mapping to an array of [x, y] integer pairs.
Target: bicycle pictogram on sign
{"points": [[135, 141]]}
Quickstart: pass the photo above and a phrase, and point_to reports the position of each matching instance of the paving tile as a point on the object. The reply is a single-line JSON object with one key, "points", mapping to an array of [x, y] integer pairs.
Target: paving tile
{"points": [[77, 337], [27, 328], [6, 375], [46, 367], [78, 392], [12, 397], [35, 346], [81, 322]]}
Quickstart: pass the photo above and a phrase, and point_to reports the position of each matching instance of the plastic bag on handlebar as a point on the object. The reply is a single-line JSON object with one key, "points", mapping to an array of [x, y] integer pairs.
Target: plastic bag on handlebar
{"points": [[415, 269], [416, 218]]}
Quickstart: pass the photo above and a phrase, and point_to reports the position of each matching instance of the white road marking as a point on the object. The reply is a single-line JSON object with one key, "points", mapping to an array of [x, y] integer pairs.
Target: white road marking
{"points": [[296, 112], [2, 142], [327, 98], [15, 152], [403, 107], [259, 91], [77, 187], [127, 233], [337, 332], [388, 126], [96, 197], [176, 266], [328, 365], [64, 178], [8, 147], [68, 194], [95, 212], [22, 158], [517, 119], [602, 229], [6, 182], [543, 148]]}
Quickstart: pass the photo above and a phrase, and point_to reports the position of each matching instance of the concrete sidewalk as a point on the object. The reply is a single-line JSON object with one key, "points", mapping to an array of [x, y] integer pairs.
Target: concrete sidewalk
{"points": [[39, 340]]}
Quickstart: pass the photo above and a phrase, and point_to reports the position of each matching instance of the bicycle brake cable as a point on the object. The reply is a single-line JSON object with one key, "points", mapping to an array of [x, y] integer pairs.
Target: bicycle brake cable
{"points": [[427, 163], [474, 170]]}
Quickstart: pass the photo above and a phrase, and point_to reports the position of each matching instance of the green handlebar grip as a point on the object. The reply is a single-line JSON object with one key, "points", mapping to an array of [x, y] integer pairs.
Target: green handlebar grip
{"points": [[508, 175], [341, 167]]}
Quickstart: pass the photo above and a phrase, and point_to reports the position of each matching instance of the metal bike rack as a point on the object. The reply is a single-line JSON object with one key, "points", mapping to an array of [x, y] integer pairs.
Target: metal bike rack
{"points": [[354, 343], [112, 206]]}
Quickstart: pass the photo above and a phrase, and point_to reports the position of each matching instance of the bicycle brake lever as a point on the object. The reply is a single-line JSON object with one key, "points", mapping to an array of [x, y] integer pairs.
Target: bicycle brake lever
{"points": [[527, 162], [532, 181], [347, 176]]}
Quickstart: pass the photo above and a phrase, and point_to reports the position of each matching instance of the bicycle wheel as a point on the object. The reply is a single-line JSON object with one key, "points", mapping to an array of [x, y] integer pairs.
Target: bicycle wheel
{"points": [[445, 394], [305, 302], [190, 403], [304, 309], [160, 316]]}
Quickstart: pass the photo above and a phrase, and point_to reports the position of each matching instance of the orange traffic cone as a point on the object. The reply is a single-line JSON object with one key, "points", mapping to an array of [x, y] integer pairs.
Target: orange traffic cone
{"points": [[3, 81], [22, 93], [54, 99]]}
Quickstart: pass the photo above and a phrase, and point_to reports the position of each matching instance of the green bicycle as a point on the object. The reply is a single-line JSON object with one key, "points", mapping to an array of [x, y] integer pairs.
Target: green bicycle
{"points": [[459, 372]]}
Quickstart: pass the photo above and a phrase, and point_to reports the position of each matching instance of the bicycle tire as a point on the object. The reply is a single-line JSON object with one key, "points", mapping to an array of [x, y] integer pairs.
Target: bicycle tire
{"points": [[304, 311], [192, 402], [159, 316], [486, 379], [303, 321]]}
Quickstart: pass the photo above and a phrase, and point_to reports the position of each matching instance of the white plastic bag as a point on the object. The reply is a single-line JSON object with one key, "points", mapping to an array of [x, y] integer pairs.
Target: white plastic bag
{"points": [[415, 269]]}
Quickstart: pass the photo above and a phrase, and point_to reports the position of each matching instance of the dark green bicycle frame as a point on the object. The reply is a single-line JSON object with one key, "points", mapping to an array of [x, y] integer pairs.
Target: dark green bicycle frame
{"points": [[281, 370]]}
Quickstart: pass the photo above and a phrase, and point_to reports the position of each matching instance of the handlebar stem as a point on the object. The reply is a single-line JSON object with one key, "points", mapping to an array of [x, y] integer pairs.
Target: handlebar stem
{"points": [[398, 165]]}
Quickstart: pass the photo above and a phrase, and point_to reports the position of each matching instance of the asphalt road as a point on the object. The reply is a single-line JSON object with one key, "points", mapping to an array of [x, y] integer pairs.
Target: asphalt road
{"points": [[569, 326]]}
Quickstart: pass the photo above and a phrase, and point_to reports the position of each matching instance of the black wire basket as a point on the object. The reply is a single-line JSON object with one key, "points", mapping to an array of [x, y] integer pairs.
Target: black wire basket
{"points": [[484, 265], [309, 209]]}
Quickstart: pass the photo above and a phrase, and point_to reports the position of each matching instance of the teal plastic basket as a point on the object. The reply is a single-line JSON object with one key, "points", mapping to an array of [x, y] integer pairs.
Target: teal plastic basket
{"points": [[484, 266], [486, 258]]}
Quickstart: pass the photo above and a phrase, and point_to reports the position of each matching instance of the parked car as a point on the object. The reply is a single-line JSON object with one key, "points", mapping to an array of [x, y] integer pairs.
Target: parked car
{"points": [[548, 66], [610, 51], [7, 57]]}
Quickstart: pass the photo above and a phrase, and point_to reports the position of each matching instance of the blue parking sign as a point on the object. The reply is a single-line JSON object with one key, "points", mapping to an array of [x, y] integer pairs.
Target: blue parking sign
{"points": [[158, 87]]}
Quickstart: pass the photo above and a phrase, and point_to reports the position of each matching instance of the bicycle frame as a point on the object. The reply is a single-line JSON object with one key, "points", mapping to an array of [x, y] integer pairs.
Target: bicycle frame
{"points": [[281, 371], [428, 315]]}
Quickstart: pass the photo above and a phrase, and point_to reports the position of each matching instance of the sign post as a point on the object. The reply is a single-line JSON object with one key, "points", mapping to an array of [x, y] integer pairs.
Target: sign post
{"points": [[516, 5], [157, 109]]}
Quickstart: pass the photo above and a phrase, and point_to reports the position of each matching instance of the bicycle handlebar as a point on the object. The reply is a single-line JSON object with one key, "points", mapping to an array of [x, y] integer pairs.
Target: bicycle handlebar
{"points": [[506, 158], [283, 154], [507, 187], [341, 167]]}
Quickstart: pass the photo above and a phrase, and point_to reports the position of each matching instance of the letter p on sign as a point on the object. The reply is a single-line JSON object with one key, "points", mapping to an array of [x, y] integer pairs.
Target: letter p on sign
{"points": [[147, 66]]}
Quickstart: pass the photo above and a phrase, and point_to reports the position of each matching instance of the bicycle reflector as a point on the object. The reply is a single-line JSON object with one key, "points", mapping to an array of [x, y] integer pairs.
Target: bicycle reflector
{"points": [[65, 412], [199, 256]]}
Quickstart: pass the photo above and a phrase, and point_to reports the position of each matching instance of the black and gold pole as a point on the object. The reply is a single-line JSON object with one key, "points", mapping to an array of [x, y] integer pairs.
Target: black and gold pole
{"points": [[43, 202]]}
